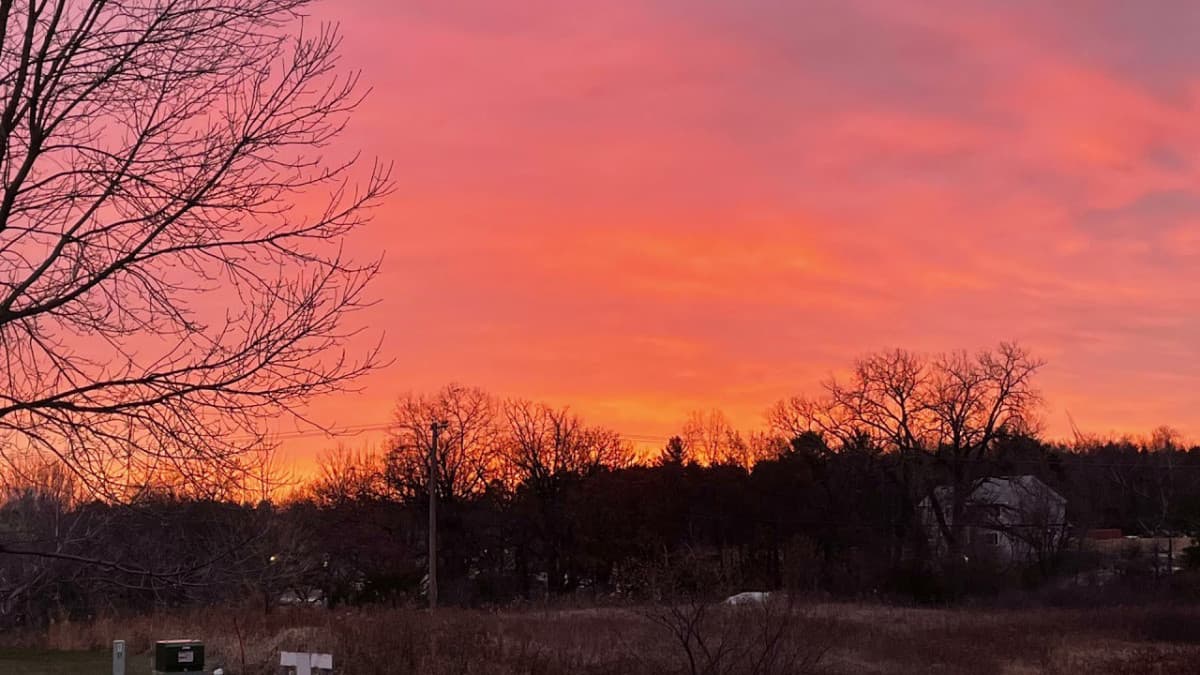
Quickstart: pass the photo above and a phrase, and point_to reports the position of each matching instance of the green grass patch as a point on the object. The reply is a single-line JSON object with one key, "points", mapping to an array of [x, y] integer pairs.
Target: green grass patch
{"points": [[43, 662]]}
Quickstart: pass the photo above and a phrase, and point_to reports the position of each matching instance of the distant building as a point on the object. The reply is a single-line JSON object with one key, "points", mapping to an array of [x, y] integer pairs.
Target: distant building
{"points": [[1014, 519]]}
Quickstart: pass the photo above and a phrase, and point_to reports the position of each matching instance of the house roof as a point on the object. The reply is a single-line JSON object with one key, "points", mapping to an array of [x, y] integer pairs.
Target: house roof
{"points": [[1010, 491]]}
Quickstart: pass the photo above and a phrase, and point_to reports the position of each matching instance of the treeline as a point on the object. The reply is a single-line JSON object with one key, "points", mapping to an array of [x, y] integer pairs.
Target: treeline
{"points": [[814, 517], [535, 502]]}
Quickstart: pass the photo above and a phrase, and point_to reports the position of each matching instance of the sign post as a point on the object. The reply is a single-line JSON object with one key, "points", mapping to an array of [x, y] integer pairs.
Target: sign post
{"points": [[118, 657]]}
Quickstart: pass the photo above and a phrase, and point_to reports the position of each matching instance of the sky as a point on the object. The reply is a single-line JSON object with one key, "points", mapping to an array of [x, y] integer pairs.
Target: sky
{"points": [[646, 207]]}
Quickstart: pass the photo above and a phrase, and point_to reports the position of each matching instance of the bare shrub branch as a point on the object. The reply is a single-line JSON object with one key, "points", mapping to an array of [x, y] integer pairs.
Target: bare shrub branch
{"points": [[172, 270]]}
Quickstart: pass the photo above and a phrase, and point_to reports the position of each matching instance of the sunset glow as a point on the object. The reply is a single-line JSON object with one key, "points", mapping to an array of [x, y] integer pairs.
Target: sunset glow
{"points": [[642, 209], [638, 336]]}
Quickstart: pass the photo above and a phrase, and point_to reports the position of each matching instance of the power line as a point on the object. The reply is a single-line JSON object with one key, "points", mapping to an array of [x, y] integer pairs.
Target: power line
{"points": [[645, 438], [348, 430], [385, 426]]}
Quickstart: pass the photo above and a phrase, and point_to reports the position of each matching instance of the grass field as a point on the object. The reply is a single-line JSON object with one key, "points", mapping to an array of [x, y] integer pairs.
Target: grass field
{"points": [[832, 638], [43, 662]]}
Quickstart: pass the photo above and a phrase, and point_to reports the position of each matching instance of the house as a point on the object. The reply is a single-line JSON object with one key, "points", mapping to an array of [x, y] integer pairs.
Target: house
{"points": [[1013, 519]]}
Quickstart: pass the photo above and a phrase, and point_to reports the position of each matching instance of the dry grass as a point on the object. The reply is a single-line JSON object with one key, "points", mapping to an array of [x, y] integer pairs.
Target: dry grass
{"points": [[853, 638]]}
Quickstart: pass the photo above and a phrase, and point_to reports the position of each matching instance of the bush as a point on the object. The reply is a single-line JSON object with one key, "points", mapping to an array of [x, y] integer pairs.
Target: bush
{"points": [[762, 638]]}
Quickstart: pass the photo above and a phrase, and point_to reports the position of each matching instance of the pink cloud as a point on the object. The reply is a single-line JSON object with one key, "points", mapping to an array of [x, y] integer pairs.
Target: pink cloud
{"points": [[643, 208]]}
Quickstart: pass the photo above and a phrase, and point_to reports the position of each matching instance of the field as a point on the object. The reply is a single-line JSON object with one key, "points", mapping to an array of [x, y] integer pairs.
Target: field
{"points": [[781, 638], [43, 662]]}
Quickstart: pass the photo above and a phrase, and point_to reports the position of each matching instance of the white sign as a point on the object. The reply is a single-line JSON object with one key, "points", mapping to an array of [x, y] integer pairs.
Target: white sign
{"points": [[304, 662]]}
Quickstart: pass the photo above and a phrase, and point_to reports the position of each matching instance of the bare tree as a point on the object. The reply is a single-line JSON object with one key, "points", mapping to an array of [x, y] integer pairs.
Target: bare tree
{"points": [[765, 445], [60, 551], [710, 438], [468, 449], [799, 416], [545, 450], [545, 444], [940, 416], [263, 479], [172, 275], [347, 475], [36, 501], [972, 402], [1157, 487]]}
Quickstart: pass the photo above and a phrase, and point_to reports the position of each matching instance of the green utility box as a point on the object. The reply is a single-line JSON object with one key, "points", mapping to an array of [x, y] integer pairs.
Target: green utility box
{"points": [[178, 656]]}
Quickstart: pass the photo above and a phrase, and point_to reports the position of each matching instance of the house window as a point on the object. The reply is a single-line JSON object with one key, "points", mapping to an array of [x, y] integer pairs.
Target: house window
{"points": [[991, 538]]}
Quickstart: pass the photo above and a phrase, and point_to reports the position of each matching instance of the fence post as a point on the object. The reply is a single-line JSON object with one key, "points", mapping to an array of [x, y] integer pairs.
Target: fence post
{"points": [[118, 651]]}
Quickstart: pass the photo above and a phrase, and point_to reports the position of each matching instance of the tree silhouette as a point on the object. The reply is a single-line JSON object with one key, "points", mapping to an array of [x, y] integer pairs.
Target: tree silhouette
{"points": [[939, 416], [172, 274], [674, 453], [469, 449]]}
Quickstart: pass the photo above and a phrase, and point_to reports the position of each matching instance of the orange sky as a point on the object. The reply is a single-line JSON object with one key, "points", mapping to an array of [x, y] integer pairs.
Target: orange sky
{"points": [[644, 207]]}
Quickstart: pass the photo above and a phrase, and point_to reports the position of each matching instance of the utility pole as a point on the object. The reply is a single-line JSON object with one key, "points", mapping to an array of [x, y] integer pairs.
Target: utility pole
{"points": [[436, 428]]}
